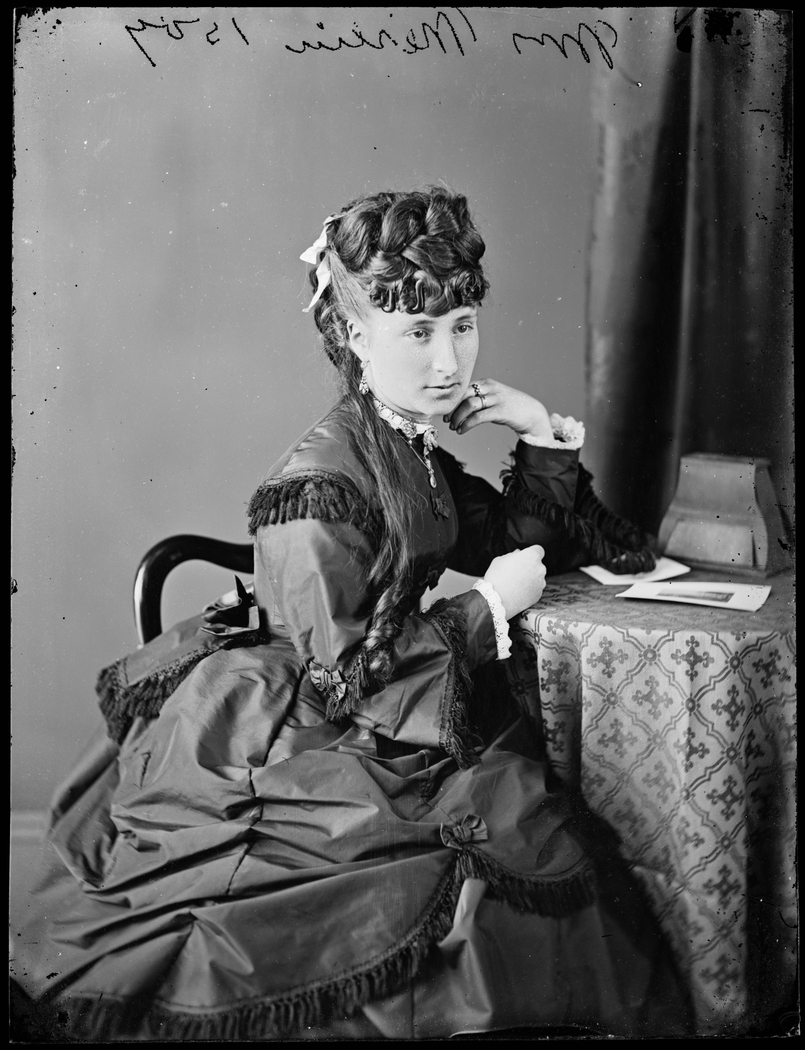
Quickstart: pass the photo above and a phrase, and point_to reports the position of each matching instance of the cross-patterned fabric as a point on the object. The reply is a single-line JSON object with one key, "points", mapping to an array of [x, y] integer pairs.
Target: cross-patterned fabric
{"points": [[678, 724]]}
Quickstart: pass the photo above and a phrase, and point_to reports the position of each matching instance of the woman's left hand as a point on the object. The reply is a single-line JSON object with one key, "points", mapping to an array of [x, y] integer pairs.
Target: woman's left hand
{"points": [[488, 401]]}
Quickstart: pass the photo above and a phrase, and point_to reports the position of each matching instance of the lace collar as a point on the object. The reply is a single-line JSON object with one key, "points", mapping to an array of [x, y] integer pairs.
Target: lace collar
{"points": [[409, 428]]}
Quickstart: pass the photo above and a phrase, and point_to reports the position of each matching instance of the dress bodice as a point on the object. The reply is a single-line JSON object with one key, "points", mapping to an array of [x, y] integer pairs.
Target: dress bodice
{"points": [[325, 455]]}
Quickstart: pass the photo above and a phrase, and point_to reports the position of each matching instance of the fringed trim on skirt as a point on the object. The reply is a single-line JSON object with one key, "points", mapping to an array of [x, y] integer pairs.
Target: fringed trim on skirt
{"points": [[456, 736], [316, 494], [121, 701], [554, 897], [313, 1005], [608, 540]]}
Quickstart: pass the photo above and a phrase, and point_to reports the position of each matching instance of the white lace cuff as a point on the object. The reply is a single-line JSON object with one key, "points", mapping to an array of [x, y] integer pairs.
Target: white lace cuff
{"points": [[567, 433], [502, 638]]}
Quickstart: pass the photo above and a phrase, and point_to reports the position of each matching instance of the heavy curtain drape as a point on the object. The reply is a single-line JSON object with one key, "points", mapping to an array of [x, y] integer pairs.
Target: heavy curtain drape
{"points": [[690, 285]]}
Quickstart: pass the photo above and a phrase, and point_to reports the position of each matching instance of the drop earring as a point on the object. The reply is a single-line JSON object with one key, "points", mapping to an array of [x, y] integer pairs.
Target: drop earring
{"points": [[363, 386]]}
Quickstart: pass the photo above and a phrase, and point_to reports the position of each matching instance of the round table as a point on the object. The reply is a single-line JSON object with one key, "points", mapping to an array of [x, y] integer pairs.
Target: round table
{"points": [[677, 723]]}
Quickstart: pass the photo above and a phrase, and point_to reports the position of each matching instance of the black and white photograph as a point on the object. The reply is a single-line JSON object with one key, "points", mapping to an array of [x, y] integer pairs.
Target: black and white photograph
{"points": [[356, 353]]}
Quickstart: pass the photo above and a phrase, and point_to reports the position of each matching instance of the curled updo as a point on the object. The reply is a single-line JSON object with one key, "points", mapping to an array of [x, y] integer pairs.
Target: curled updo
{"points": [[413, 252]]}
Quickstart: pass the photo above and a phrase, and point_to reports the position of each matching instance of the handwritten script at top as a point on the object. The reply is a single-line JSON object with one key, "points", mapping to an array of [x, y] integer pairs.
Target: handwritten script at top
{"points": [[448, 31], [411, 43], [177, 33]]}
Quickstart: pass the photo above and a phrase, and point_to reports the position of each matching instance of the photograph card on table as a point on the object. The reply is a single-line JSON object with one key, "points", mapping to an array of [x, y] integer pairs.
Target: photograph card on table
{"points": [[745, 596]]}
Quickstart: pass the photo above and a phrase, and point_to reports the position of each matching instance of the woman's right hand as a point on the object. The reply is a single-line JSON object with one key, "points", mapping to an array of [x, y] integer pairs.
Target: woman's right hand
{"points": [[519, 578]]}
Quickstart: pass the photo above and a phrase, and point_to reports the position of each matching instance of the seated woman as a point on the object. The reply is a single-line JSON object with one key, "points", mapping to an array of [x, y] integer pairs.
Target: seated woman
{"points": [[320, 813]]}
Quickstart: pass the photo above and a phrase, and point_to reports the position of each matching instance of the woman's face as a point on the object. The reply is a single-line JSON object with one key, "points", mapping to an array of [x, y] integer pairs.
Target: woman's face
{"points": [[419, 365]]}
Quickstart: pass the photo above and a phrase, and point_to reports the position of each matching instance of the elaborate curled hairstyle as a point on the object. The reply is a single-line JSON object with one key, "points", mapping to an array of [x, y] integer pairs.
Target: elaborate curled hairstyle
{"points": [[414, 252]]}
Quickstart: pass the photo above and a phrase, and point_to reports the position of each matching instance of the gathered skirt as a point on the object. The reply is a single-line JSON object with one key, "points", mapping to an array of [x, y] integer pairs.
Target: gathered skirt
{"points": [[240, 868]]}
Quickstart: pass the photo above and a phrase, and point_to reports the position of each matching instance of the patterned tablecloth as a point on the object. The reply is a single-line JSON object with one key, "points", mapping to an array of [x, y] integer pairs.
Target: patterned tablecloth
{"points": [[678, 722]]}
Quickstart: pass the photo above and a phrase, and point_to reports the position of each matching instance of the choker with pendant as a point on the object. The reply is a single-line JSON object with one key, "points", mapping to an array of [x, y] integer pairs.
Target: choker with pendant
{"points": [[410, 430]]}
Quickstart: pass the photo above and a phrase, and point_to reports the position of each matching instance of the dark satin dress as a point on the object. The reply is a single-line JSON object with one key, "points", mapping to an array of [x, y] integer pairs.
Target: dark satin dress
{"points": [[262, 847]]}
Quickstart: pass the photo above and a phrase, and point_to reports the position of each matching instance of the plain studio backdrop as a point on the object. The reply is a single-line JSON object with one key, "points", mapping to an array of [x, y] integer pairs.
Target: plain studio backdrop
{"points": [[171, 166]]}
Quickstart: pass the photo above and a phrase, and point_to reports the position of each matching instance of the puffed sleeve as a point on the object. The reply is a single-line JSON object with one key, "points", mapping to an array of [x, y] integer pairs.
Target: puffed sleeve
{"points": [[316, 568], [548, 499]]}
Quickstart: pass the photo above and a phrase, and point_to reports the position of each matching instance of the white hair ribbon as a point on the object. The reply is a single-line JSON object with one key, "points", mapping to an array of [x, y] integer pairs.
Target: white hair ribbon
{"points": [[311, 255]]}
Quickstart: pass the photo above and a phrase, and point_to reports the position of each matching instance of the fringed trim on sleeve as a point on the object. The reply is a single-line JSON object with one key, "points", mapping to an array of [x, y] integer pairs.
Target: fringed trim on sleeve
{"points": [[121, 701], [101, 1018], [615, 529], [333, 498], [343, 690], [608, 540], [317, 494], [455, 733]]}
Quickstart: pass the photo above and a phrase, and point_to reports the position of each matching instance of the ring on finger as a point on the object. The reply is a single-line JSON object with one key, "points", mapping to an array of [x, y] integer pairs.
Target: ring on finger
{"points": [[478, 394]]}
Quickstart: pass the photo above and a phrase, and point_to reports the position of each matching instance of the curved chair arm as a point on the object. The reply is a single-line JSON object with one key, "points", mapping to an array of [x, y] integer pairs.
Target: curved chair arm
{"points": [[163, 557]]}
